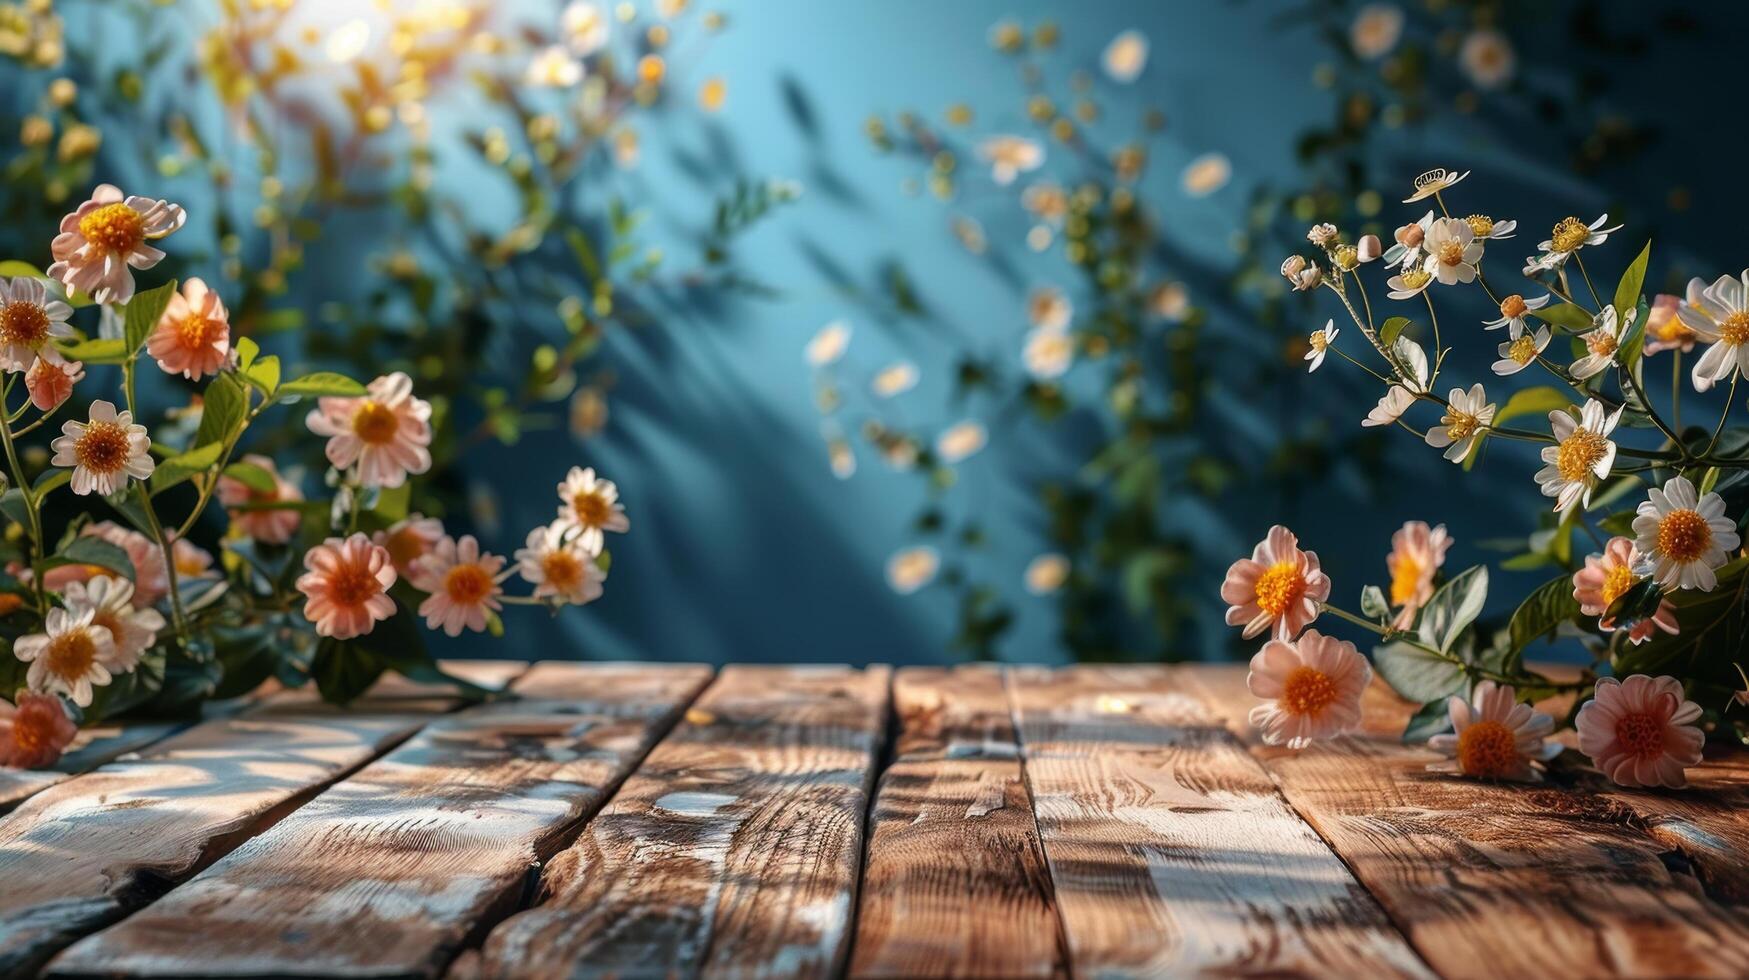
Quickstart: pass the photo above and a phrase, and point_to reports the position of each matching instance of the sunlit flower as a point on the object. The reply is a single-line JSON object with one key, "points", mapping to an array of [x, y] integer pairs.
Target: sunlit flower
{"points": [[1518, 353], [110, 601], [1641, 731], [1048, 308], [385, 433], [35, 732], [1390, 408], [193, 337], [1206, 174], [1323, 235], [1719, 316], [50, 382], [1611, 575], [1047, 202], [1684, 535], [559, 567], [1048, 353], [1495, 737], [1487, 58], [1434, 182], [1011, 156], [1453, 251], [272, 525], [104, 452], [592, 505], [912, 569], [1602, 342], [553, 67], [1487, 229], [1513, 310], [1569, 236], [105, 238], [1046, 573], [1417, 554], [960, 441], [406, 540], [71, 656], [462, 583], [829, 344], [30, 320], [1466, 420], [1318, 344], [1376, 30], [1311, 689], [346, 587], [1278, 588], [895, 379], [585, 27], [1126, 56], [1664, 327], [1581, 457], [1408, 240], [1412, 281]]}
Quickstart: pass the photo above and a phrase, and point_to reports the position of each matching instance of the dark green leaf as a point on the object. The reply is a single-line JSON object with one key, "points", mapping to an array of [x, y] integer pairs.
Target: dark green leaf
{"points": [[1392, 329], [252, 476], [1550, 605], [222, 408], [176, 469], [1627, 291], [86, 549], [143, 313], [321, 383], [1565, 315]]}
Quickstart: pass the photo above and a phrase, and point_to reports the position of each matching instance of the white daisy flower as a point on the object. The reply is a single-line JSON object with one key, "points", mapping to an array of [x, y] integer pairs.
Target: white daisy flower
{"points": [[558, 566], [1488, 229], [1488, 59], [1391, 407], [1569, 236], [1512, 312], [1318, 344], [1412, 281], [1601, 342], [1011, 156], [1581, 457], [1433, 182], [105, 452], [591, 504], [30, 320], [1719, 315], [1684, 536], [1453, 251], [1406, 249], [1466, 420], [1518, 353], [111, 603], [71, 656]]}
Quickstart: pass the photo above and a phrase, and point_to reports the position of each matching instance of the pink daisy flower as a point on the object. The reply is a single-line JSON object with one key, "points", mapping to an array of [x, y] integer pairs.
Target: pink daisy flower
{"points": [[592, 505], [462, 582], [1495, 737], [50, 382], [385, 432], [270, 526], [1417, 552], [71, 655], [35, 731], [105, 452], [346, 590], [193, 337], [105, 238], [1640, 731], [559, 567], [1279, 586], [1311, 689], [409, 539], [30, 320], [1609, 576]]}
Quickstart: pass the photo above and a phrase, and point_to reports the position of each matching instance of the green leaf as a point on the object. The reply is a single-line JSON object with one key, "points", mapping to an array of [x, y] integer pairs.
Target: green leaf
{"points": [[143, 313], [393, 502], [1373, 604], [343, 670], [89, 550], [1417, 675], [264, 374], [111, 350], [1627, 292], [246, 351], [13, 506], [1540, 400], [13, 268], [222, 408], [321, 383], [252, 476], [1453, 608], [1565, 315], [1547, 607], [1429, 720], [50, 481], [176, 469], [1392, 329]]}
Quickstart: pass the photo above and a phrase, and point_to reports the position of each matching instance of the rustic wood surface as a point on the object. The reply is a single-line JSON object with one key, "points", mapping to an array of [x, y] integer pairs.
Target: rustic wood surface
{"points": [[955, 883], [397, 865], [734, 849]]}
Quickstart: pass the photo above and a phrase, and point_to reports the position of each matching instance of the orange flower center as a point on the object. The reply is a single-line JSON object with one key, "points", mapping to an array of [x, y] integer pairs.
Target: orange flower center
{"points": [[562, 570], [1280, 587], [1487, 749], [1513, 306], [1579, 454], [71, 654], [1452, 252], [24, 324], [352, 585], [375, 423], [1734, 329], [1616, 583], [114, 228], [1640, 734], [592, 508], [197, 331], [1307, 691], [1601, 342], [1523, 350], [103, 448], [467, 584], [1569, 234], [1684, 535], [1405, 580]]}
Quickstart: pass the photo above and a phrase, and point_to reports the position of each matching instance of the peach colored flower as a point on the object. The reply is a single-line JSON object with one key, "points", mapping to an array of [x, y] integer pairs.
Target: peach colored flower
{"points": [[1495, 737], [34, 732], [106, 452], [408, 539], [1311, 689], [1665, 329], [30, 320], [558, 566], [385, 432], [50, 382], [346, 589], [110, 600], [1640, 731], [270, 526], [1417, 552], [71, 656], [1607, 577], [462, 582], [151, 580], [193, 337], [591, 504], [192, 561], [1279, 586], [105, 238]]}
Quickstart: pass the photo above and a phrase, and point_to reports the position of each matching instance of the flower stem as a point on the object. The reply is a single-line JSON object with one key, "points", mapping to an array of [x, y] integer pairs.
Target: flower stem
{"points": [[30, 500], [169, 560]]}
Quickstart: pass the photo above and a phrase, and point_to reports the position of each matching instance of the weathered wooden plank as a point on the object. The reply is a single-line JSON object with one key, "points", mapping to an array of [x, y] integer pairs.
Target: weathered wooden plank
{"points": [[955, 883], [1708, 822], [1549, 881], [82, 853], [1170, 850], [732, 851], [389, 871]]}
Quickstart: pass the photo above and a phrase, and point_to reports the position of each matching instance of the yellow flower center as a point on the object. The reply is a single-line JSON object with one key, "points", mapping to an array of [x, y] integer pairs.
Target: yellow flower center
{"points": [[592, 508], [1488, 750], [1616, 583], [467, 584], [1673, 330], [1451, 253], [1280, 587], [1579, 454], [1601, 342], [197, 331], [1523, 350], [103, 448], [562, 570], [1640, 734], [352, 585], [23, 324], [114, 228], [71, 654], [1416, 278], [1481, 224], [1460, 425], [1307, 691], [1734, 329], [1346, 257], [1684, 535], [1513, 307], [1405, 580], [1319, 341], [1569, 234], [375, 423]]}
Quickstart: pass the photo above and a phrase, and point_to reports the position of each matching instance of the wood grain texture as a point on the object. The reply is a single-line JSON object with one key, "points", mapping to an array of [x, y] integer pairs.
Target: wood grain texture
{"points": [[955, 883], [1494, 880], [1708, 822], [91, 748], [1170, 850], [82, 853], [390, 871], [733, 851]]}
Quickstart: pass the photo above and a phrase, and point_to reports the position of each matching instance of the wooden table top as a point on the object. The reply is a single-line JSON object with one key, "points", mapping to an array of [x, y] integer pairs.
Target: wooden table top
{"points": [[636, 820]]}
